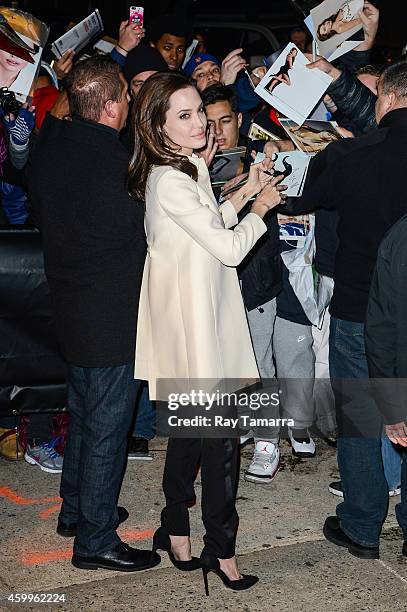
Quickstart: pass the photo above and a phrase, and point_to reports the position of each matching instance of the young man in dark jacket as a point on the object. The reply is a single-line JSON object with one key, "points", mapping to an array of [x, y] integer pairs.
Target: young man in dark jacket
{"points": [[273, 325], [366, 187], [94, 252], [386, 342]]}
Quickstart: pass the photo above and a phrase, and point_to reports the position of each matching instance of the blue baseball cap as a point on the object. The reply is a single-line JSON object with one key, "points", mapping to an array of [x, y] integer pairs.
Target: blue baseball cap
{"points": [[198, 59]]}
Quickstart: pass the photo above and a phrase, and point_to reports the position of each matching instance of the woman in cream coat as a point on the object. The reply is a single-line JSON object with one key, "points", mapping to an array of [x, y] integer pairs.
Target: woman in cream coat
{"points": [[192, 323]]}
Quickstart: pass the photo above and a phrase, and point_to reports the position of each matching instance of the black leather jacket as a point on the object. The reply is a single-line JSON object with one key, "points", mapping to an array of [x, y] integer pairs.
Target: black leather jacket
{"points": [[355, 101]]}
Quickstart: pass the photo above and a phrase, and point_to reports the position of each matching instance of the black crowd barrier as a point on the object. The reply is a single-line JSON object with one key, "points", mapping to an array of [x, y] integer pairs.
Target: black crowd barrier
{"points": [[32, 375]]}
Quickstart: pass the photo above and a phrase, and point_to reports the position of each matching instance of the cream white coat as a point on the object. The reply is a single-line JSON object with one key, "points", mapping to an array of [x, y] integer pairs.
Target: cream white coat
{"points": [[192, 322]]}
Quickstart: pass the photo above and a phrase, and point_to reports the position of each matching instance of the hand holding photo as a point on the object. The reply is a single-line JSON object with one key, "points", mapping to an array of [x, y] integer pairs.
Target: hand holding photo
{"points": [[290, 87], [334, 22], [292, 166]]}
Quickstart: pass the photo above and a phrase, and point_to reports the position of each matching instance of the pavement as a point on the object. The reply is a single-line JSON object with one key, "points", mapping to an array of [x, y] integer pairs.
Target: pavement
{"points": [[280, 540]]}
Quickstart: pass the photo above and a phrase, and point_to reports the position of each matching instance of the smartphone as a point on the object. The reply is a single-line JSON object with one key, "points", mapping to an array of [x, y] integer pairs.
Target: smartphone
{"points": [[136, 15]]}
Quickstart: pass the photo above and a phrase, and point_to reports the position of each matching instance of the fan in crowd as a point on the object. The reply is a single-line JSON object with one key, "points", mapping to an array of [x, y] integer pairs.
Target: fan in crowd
{"points": [[159, 273]]}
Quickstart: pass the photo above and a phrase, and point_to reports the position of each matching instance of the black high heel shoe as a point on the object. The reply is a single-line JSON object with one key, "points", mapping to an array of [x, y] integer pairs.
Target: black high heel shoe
{"points": [[211, 564], [161, 541]]}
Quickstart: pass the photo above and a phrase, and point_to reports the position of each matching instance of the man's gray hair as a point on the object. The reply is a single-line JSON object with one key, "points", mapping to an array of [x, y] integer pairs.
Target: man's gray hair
{"points": [[394, 80]]}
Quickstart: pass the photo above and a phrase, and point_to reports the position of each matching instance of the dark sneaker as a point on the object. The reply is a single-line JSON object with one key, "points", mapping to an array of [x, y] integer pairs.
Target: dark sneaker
{"points": [[68, 530], [333, 533], [404, 549], [336, 489], [138, 449]]}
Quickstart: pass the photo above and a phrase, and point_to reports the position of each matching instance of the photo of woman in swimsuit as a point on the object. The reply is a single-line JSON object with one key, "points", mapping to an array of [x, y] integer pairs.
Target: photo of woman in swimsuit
{"points": [[345, 19], [282, 75]]}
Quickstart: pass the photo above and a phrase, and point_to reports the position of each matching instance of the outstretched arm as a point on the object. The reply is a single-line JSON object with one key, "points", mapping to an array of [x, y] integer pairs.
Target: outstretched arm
{"points": [[350, 96]]}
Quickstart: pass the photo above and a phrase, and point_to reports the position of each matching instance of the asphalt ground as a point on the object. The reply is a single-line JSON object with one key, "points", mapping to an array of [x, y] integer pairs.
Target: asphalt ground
{"points": [[280, 540]]}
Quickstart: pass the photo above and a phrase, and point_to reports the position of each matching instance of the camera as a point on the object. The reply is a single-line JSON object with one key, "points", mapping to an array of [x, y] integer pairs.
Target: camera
{"points": [[8, 102]]}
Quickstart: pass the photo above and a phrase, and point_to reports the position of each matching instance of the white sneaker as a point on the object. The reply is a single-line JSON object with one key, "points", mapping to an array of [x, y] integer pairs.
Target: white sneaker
{"points": [[265, 463], [336, 489], [303, 445], [395, 492]]}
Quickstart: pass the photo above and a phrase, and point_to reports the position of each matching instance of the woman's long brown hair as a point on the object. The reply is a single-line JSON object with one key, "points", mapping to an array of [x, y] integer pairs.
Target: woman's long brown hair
{"points": [[331, 33], [151, 145]]}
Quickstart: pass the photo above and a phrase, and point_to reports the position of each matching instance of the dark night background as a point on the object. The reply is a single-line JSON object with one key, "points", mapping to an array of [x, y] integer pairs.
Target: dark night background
{"points": [[57, 13]]}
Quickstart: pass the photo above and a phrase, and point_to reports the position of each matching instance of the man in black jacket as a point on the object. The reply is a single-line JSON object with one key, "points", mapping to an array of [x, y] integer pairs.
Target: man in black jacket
{"points": [[94, 251], [386, 342], [366, 186]]}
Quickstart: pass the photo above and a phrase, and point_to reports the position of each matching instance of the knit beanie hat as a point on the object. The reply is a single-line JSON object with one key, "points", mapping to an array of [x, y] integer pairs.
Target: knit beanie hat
{"points": [[198, 59], [142, 59]]}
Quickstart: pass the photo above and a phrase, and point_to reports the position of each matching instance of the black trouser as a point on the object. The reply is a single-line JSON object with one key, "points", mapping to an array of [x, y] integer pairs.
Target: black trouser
{"points": [[218, 458]]}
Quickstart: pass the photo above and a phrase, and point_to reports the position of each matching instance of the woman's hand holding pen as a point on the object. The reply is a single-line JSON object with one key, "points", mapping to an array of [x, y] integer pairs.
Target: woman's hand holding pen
{"points": [[252, 186], [269, 197], [260, 182], [258, 177]]}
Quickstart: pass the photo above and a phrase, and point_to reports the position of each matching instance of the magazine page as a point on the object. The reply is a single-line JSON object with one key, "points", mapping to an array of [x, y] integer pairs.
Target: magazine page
{"points": [[293, 166], [226, 165], [190, 52], [22, 38], [256, 132], [311, 136], [344, 48], [291, 87], [335, 21], [79, 36]]}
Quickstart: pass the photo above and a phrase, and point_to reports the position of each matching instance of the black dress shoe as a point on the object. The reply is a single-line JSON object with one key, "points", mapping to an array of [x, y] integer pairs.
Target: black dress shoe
{"points": [[122, 558], [404, 549], [68, 530], [333, 532]]}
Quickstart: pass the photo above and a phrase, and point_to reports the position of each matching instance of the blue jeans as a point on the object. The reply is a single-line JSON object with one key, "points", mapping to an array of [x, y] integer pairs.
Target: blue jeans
{"points": [[401, 508], [366, 497], [392, 458], [101, 406], [14, 203], [144, 424]]}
